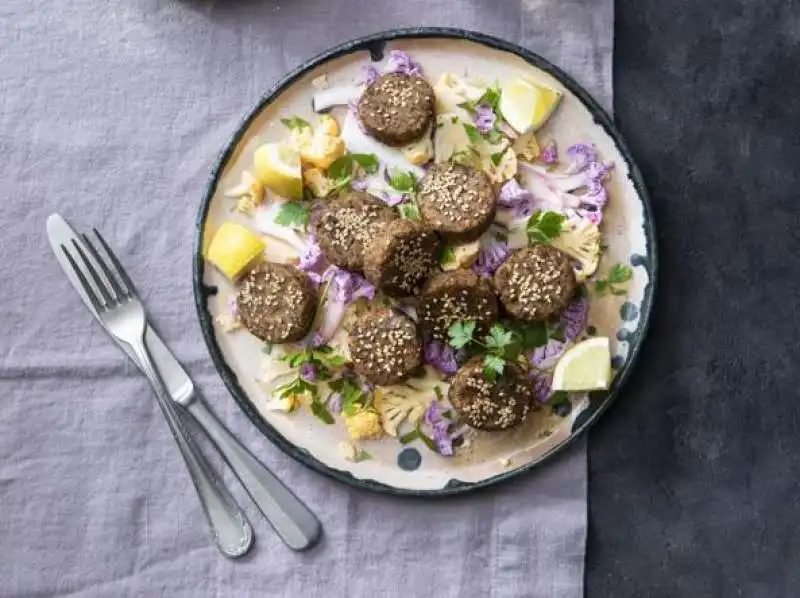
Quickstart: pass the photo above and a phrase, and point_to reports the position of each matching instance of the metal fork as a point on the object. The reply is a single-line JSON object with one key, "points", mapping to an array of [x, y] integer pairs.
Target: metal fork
{"points": [[114, 297]]}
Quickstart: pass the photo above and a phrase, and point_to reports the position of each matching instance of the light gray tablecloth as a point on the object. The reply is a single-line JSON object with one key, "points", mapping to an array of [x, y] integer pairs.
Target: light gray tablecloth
{"points": [[112, 113]]}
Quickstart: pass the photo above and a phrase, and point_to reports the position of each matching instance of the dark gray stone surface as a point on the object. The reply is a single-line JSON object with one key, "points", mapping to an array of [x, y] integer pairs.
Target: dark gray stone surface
{"points": [[694, 487]]}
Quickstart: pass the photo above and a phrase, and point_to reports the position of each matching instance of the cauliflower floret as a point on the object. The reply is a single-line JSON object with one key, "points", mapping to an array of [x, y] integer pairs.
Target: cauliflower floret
{"points": [[364, 424], [249, 194], [300, 137], [581, 242], [463, 256], [421, 151], [527, 147], [323, 150], [327, 126], [317, 182]]}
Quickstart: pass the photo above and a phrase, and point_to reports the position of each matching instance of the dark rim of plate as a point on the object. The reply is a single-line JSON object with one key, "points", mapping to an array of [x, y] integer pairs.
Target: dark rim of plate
{"points": [[374, 44]]}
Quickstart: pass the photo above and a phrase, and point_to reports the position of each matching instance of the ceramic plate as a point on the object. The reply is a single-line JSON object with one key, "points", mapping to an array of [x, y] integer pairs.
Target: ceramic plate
{"points": [[627, 226]]}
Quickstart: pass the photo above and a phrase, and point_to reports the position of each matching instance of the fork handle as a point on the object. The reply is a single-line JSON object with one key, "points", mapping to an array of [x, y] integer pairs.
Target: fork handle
{"points": [[292, 520], [230, 528]]}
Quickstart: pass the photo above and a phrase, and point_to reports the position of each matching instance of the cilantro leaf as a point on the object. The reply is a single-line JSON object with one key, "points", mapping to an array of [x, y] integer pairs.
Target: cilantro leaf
{"points": [[461, 334], [448, 256], [493, 366], [620, 273], [497, 157], [409, 210], [600, 287], [293, 213], [498, 338], [295, 123], [472, 132]]}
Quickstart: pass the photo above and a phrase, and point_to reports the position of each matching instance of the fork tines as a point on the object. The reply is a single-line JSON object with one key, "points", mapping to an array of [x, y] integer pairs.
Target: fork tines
{"points": [[109, 286]]}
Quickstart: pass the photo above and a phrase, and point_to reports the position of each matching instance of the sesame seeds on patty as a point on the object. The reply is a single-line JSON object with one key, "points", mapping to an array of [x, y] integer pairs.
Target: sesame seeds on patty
{"points": [[277, 302], [451, 297], [536, 283], [457, 201], [397, 108], [385, 347]]}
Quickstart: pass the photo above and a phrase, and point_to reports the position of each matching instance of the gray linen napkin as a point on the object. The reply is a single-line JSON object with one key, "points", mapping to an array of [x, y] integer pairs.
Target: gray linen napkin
{"points": [[112, 113]]}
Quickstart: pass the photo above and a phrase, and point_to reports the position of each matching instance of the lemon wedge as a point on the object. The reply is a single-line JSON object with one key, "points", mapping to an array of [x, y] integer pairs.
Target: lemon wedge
{"points": [[586, 366], [233, 248], [527, 105], [277, 166]]}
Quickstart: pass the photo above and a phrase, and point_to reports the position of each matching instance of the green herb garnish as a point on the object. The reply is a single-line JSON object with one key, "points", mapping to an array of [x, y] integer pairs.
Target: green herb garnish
{"points": [[619, 274], [543, 227], [295, 122], [473, 133], [402, 181], [496, 158], [461, 334], [493, 366], [343, 169], [293, 213], [409, 210], [448, 256]]}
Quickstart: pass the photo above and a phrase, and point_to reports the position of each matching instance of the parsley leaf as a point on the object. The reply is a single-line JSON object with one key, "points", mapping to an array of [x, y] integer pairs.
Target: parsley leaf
{"points": [[409, 438], [544, 226], [461, 334], [352, 395], [532, 335], [319, 410], [498, 338], [472, 132], [295, 123], [403, 181], [493, 366], [362, 455], [448, 256], [342, 170], [293, 213], [491, 97], [497, 157], [409, 210], [369, 162], [620, 273]]}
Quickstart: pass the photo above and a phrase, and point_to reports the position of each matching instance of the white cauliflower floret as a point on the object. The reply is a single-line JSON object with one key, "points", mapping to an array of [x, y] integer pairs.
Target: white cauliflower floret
{"points": [[317, 182], [421, 151], [527, 147], [582, 243], [249, 194], [463, 256]]}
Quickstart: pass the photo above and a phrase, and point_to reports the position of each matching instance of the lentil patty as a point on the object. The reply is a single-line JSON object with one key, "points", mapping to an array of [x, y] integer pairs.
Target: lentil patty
{"points": [[385, 347], [535, 283], [455, 296], [397, 108], [491, 405], [277, 302], [402, 257], [347, 225], [457, 201]]}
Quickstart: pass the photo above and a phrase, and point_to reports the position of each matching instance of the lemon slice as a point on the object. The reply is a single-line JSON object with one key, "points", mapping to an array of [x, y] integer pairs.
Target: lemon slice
{"points": [[234, 248], [526, 105], [277, 166], [586, 366]]}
